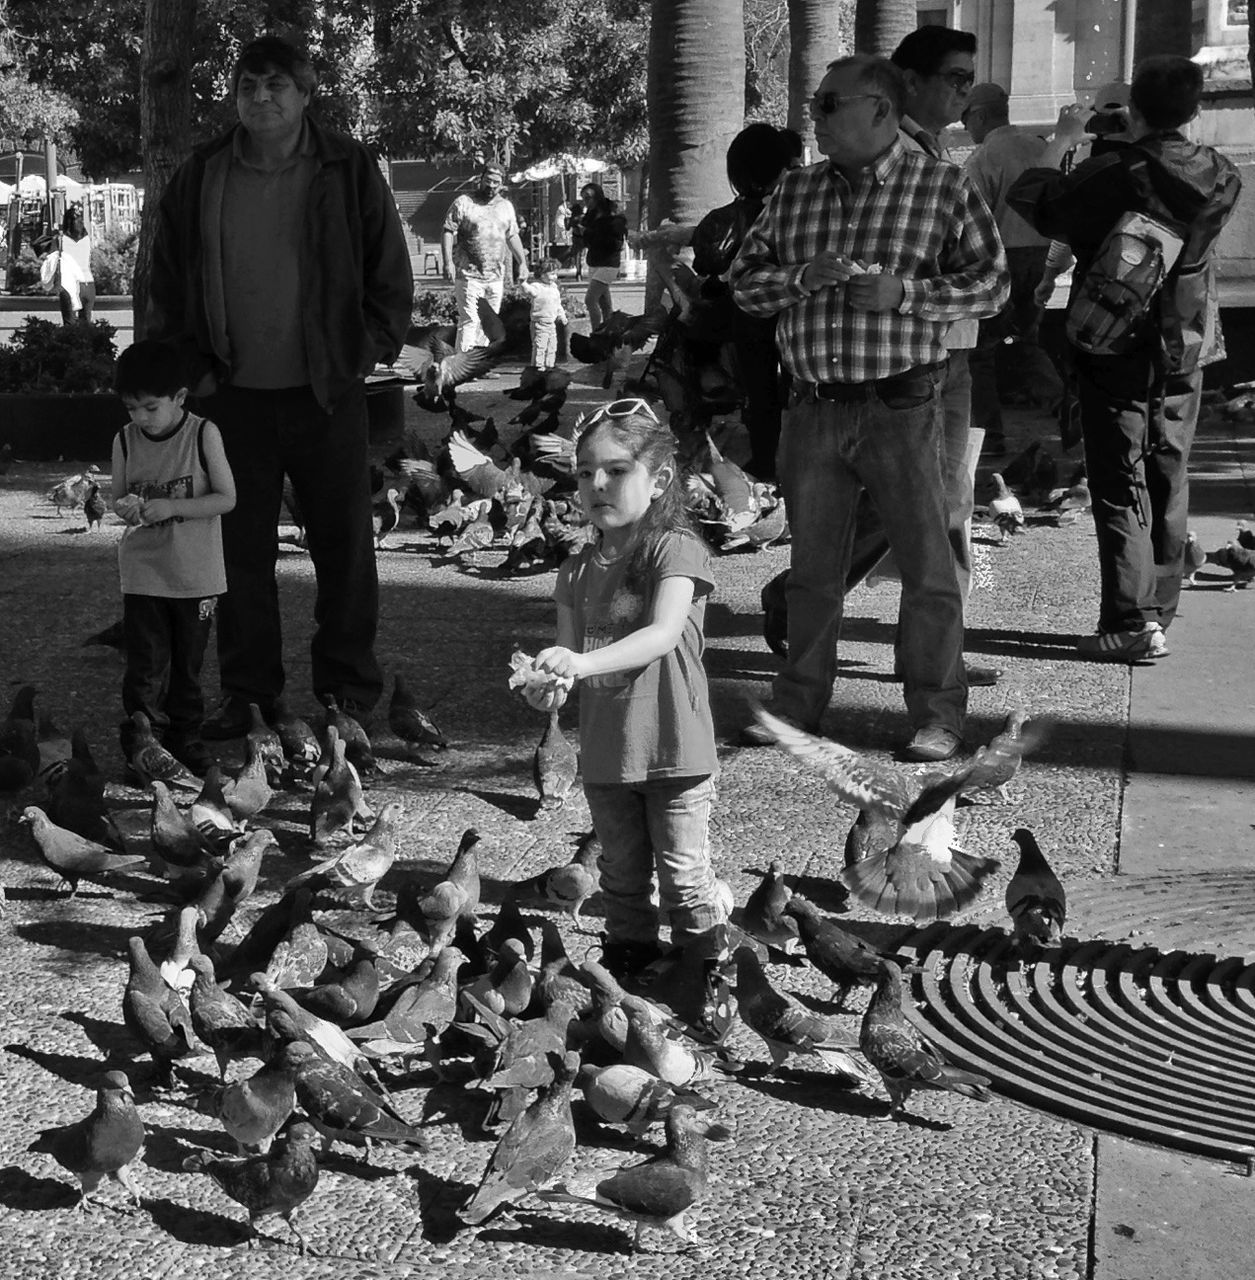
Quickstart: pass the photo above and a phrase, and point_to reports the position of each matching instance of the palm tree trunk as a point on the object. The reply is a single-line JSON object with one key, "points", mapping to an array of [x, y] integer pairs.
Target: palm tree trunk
{"points": [[814, 41], [696, 94], [165, 106], [879, 25]]}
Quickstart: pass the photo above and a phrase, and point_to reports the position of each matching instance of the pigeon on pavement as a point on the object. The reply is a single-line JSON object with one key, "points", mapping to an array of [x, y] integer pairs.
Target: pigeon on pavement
{"points": [[361, 866], [105, 1143], [155, 1014], [274, 1184], [219, 1019], [763, 916], [905, 1060], [1036, 901], [297, 739], [533, 1148], [407, 721], [844, 959], [1005, 509], [568, 885], [71, 856], [152, 762], [633, 1097]]}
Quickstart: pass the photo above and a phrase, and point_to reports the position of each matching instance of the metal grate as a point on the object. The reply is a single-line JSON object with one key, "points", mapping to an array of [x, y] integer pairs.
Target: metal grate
{"points": [[1148, 1044]]}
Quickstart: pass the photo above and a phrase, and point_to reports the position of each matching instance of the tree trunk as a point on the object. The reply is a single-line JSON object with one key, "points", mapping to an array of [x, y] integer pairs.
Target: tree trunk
{"points": [[696, 95], [814, 42], [165, 106], [880, 25]]}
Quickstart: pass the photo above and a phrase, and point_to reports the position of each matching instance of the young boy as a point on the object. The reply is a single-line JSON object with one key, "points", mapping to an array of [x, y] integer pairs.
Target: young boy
{"points": [[547, 310], [171, 485]]}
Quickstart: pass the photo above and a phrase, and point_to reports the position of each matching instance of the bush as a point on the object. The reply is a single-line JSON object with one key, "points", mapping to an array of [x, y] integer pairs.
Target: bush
{"points": [[24, 273], [434, 306], [113, 262], [45, 355]]}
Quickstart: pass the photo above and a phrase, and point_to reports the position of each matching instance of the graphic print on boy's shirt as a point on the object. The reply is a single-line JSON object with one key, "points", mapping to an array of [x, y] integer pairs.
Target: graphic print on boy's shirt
{"points": [[177, 488], [608, 623]]}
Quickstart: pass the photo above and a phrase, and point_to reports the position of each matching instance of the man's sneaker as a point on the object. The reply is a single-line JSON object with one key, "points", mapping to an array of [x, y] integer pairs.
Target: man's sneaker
{"points": [[1134, 645], [627, 961], [931, 744], [230, 719]]}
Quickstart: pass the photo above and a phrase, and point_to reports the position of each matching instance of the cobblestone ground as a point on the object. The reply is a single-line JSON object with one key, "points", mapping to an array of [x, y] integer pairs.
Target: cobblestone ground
{"points": [[815, 1182]]}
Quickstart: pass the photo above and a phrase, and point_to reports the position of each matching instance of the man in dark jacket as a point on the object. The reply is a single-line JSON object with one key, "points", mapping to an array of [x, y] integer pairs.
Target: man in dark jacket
{"points": [[1139, 408], [281, 271]]}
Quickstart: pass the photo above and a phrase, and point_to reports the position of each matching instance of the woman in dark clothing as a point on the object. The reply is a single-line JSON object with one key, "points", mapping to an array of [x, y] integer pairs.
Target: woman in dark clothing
{"points": [[605, 231]]}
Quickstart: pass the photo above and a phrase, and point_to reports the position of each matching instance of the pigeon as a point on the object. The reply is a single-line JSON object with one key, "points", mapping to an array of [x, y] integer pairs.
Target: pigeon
{"points": [[274, 1184], [18, 734], [297, 740], [105, 1143], [1238, 560], [249, 792], [76, 800], [55, 750], [1069, 503], [175, 836], [337, 801], [407, 721], [71, 490], [1036, 901], [385, 516], [533, 1148], [763, 916], [152, 762], [555, 765], [658, 1192], [633, 1097], [918, 873], [558, 978], [428, 355], [990, 768], [1246, 535], [418, 1015], [784, 1026], [220, 1020], [568, 885], [266, 742], [361, 866], [346, 1000], [508, 985], [1194, 557], [253, 1109], [300, 956], [72, 856], [210, 813], [454, 896], [155, 1014], [649, 1048], [1005, 509], [356, 743], [342, 1106], [94, 506], [1019, 471], [844, 959], [905, 1060]]}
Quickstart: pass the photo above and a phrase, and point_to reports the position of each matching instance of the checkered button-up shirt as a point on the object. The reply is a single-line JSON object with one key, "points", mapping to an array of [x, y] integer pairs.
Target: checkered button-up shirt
{"points": [[908, 215]]}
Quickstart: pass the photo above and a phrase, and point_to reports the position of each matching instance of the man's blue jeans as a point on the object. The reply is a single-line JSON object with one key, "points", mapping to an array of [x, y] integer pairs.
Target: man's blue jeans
{"points": [[829, 454], [657, 826]]}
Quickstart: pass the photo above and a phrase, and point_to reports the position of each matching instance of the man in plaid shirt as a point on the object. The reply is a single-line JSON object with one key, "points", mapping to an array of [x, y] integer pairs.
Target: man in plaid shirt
{"points": [[867, 259]]}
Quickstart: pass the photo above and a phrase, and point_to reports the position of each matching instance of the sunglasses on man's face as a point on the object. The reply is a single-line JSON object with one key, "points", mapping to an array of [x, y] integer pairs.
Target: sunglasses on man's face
{"points": [[959, 79], [825, 104]]}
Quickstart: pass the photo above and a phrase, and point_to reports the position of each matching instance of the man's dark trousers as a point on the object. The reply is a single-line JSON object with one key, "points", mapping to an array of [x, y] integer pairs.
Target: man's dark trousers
{"points": [[267, 434], [1138, 425]]}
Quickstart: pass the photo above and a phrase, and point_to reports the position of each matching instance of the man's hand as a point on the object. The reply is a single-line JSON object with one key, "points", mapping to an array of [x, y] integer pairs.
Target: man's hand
{"points": [[1071, 126], [830, 267], [875, 293], [155, 510]]}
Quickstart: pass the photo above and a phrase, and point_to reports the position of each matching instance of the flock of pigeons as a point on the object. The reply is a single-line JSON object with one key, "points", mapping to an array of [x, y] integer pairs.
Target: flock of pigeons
{"points": [[326, 995]]}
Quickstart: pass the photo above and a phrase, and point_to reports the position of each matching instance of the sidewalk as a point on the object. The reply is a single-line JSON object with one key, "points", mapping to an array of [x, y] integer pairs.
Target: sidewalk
{"points": [[1147, 781]]}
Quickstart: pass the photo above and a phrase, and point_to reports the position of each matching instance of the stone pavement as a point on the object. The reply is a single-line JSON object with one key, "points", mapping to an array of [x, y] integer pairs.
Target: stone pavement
{"points": [[1148, 774]]}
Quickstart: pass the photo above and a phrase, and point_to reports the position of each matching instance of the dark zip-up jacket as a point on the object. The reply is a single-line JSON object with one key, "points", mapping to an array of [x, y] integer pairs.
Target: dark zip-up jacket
{"points": [[1189, 183], [356, 284]]}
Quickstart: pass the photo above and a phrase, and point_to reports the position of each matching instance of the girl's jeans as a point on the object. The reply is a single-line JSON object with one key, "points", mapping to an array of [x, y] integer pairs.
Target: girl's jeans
{"points": [[657, 826]]}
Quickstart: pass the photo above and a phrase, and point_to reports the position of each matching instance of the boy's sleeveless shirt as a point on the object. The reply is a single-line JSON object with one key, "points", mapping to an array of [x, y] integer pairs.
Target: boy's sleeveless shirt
{"points": [[654, 721], [177, 559]]}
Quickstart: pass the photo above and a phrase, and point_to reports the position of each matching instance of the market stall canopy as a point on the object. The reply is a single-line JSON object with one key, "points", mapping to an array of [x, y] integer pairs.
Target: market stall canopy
{"points": [[33, 184], [6, 192], [554, 165]]}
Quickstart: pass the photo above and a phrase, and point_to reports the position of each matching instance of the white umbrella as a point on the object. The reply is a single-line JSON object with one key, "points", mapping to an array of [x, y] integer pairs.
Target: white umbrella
{"points": [[550, 167], [33, 184], [6, 192]]}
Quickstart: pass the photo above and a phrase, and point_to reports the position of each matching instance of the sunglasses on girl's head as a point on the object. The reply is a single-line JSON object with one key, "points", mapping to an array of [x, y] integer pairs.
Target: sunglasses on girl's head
{"points": [[827, 103], [618, 409]]}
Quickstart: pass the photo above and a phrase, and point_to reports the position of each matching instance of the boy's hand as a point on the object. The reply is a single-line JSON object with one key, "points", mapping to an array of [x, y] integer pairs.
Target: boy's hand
{"points": [[155, 510], [128, 507], [550, 698]]}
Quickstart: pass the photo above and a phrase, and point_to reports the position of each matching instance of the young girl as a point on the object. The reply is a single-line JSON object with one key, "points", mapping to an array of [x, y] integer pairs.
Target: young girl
{"points": [[630, 613]]}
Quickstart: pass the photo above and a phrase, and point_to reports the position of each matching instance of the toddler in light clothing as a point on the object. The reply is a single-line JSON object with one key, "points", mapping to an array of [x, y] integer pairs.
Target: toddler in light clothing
{"points": [[547, 311]]}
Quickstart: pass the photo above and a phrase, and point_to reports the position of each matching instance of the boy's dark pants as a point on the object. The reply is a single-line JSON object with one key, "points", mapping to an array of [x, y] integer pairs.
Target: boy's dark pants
{"points": [[165, 646]]}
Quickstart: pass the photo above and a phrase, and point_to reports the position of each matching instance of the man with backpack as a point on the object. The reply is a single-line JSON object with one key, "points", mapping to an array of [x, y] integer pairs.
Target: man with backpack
{"points": [[1142, 223]]}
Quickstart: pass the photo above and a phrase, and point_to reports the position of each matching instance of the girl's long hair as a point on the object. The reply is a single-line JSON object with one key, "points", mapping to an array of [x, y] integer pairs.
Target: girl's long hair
{"points": [[653, 446]]}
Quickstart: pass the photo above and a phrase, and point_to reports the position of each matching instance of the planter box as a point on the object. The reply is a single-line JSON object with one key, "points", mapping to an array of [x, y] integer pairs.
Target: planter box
{"points": [[44, 427]]}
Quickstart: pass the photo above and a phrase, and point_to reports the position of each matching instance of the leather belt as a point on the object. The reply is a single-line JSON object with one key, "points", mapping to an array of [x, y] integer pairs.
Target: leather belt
{"points": [[848, 392]]}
